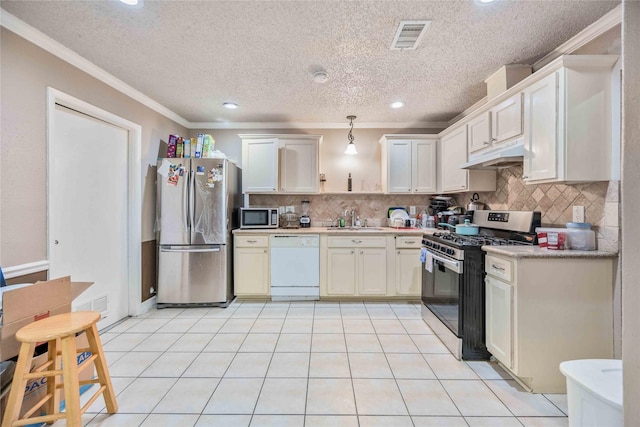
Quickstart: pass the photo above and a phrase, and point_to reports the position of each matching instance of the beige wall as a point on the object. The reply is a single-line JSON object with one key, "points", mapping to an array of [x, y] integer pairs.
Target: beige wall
{"points": [[630, 209], [26, 72]]}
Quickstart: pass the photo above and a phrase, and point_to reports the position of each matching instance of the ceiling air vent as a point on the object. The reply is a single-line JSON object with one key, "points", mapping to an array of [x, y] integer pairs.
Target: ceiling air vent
{"points": [[409, 34]]}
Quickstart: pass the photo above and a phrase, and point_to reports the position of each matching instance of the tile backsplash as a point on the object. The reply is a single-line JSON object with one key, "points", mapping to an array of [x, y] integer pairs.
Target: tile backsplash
{"points": [[555, 201]]}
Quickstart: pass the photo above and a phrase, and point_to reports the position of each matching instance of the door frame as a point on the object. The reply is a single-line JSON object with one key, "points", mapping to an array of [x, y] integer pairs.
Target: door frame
{"points": [[134, 186]]}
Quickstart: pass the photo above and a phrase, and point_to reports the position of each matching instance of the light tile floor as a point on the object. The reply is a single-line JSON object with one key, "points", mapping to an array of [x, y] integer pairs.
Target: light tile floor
{"points": [[304, 364]]}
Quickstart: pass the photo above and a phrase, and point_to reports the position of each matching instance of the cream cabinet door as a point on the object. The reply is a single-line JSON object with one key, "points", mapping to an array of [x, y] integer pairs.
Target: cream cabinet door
{"points": [[260, 165], [506, 119], [454, 153], [479, 132], [251, 271], [423, 166], [408, 272], [399, 166], [499, 320], [372, 271], [541, 129], [299, 171], [341, 271]]}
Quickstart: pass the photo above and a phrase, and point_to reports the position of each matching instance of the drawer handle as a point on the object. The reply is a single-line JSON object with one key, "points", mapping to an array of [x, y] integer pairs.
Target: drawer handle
{"points": [[356, 241], [409, 242], [497, 267], [252, 241]]}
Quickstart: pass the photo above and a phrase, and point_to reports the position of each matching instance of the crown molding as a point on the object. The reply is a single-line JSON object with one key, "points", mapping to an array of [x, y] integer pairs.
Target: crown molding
{"points": [[593, 31], [26, 31], [307, 125]]}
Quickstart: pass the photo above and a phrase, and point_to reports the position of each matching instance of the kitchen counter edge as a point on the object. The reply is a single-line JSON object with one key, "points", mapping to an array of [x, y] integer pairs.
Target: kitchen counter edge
{"points": [[538, 252], [337, 230]]}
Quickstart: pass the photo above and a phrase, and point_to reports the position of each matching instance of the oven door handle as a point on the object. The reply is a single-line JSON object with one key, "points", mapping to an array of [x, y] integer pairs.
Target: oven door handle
{"points": [[451, 264]]}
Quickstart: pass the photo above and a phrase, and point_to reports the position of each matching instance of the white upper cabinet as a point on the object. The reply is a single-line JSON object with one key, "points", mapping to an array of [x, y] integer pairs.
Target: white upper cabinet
{"points": [[453, 153], [260, 165], [299, 170], [408, 163], [280, 163], [567, 121], [501, 123]]}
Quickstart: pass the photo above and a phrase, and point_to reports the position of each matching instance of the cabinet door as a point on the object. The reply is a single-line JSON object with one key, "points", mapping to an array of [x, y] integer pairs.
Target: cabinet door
{"points": [[251, 271], [506, 119], [499, 320], [299, 171], [408, 272], [423, 166], [479, 132], [454, 154], [260, 165], [372, 271], [341, 271], [541, 129], [399, 166]]}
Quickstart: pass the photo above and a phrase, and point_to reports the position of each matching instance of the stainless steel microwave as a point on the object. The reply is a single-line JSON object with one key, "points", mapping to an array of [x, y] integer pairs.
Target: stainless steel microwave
{"points": [[258, 217]]}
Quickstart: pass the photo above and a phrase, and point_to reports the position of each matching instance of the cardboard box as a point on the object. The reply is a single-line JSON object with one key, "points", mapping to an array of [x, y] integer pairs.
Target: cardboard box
{"points": [[36, 389], [38, 301]]}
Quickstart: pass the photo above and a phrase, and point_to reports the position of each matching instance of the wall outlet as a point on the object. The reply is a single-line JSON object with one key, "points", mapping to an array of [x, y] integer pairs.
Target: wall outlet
{"points": [[412, 210], [578, 214]]}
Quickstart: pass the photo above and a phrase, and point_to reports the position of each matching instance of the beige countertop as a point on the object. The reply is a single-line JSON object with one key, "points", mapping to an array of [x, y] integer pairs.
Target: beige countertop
{"points": [[337, 230], [538, 252]]}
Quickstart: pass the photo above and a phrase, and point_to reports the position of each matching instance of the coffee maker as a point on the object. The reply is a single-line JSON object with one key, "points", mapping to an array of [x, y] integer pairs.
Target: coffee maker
{"points": [[305, 221]]}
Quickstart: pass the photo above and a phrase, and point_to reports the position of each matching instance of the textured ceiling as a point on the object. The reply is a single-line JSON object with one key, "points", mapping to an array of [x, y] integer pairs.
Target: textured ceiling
{"points": [[191, 56]]}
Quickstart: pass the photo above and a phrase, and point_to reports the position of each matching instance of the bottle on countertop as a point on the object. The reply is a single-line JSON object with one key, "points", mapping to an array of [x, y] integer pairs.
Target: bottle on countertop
{"points": [[349, 184]]}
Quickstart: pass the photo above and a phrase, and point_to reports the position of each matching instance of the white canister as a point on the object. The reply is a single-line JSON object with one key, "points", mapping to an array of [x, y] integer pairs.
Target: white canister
{"points": [[581, 237]]}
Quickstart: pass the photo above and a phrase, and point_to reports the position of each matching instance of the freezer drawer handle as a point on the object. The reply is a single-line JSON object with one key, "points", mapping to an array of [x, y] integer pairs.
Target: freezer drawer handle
{"points": [[497, 267], [190, 250]]}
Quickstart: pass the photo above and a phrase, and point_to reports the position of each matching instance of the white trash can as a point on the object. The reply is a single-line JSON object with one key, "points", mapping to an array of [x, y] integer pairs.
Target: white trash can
{"points": [[594, 392]]}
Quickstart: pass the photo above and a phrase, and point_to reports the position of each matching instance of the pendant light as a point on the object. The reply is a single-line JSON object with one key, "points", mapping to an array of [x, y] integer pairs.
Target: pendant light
{"points": [[351, 148]]}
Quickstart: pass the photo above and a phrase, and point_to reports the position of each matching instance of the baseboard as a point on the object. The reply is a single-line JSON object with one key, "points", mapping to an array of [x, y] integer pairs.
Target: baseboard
{"points": [[25, 269], [148, 305]]}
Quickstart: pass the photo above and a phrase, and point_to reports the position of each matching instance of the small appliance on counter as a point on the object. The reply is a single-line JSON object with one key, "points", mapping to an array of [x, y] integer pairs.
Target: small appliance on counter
{"points": [[258, 217], [305, 221]]}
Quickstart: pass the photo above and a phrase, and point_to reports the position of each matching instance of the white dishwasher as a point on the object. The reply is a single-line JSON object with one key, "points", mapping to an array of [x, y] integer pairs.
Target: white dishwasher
{"points": [[295, 267]]}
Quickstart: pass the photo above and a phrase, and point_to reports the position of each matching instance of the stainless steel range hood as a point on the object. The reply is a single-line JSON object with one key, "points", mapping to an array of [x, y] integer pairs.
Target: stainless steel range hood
{"points": [[512, 154]]}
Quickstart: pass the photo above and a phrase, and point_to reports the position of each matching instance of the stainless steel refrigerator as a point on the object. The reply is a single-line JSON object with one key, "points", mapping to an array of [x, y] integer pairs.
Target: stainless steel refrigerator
{"points": [[197, 202]]}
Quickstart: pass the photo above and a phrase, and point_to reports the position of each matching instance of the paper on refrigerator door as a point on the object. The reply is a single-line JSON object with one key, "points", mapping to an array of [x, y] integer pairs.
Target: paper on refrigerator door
{"points": [[428, 264]]}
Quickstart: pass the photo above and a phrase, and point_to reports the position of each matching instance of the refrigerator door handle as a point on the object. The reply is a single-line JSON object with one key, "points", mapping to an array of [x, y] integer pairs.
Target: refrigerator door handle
{"points": [[189, 249], [192, 202], [185, 204]]}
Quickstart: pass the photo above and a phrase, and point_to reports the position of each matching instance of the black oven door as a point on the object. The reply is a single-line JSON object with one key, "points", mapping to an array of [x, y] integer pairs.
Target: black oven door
{"points": [[442, 288]]}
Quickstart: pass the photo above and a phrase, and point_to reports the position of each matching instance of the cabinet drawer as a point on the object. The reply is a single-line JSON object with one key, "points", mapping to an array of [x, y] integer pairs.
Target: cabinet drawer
{"points": [[356, 241], [251, 241], [411, 242], [499, 267]]}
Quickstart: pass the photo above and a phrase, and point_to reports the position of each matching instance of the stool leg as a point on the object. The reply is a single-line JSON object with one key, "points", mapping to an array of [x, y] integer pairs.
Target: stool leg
{"points": [[101, 369], [71, 382], [18, 384], [53, 405]]}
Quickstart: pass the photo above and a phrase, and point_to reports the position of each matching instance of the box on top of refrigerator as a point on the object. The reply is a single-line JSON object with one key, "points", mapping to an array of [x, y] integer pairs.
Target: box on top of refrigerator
{"points": [[27, 304]]}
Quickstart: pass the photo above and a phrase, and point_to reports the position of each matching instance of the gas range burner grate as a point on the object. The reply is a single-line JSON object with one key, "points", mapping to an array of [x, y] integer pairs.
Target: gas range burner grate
{"points": [[464, 240]]}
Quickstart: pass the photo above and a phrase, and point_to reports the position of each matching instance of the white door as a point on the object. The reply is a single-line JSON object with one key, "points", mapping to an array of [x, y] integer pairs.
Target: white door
{"points": [[88, 212]]}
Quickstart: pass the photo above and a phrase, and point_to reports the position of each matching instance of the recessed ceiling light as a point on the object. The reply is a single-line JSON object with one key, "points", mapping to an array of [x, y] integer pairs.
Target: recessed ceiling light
{"points": [[130, 2], [485, 1], [397, 104], [320, 77], [230, 105]]}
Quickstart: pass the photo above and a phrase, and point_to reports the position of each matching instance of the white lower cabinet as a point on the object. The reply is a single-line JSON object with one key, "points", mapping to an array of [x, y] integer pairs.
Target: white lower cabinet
{"points": [[499, 320], [251, 266], [541, 311], [356, 266], [408, 274]]}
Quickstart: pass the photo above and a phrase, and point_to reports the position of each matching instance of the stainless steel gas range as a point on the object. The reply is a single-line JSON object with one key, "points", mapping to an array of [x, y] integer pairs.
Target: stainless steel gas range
{"points": [[453, 292]]}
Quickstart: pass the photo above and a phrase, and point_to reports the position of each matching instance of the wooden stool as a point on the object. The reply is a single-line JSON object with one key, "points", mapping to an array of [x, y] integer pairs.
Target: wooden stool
{"points": [[60, 332]]}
